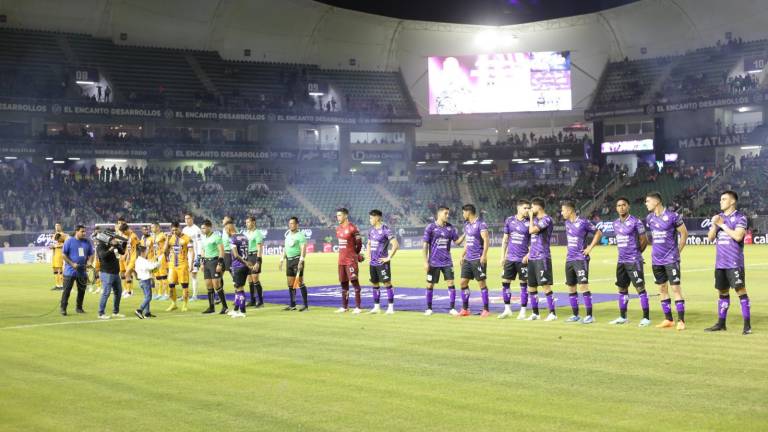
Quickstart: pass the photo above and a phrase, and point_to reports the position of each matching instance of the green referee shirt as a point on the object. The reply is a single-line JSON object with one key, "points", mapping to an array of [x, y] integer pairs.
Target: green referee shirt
{"points": [[225, 239], [210, 245], [293, 242], [254, 239]]}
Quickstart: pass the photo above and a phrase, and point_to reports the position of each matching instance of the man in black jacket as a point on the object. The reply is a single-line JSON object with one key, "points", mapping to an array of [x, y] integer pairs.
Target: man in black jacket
{"points": [[110, 276]]}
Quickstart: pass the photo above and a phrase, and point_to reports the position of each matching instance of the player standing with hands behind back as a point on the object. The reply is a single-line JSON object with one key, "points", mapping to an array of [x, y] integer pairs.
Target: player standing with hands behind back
{"points": [[474, 260], [665, 225], [293, 255], [350, 244], [379, 239]]}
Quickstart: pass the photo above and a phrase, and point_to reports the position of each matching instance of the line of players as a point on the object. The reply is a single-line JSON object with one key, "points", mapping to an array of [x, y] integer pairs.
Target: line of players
{"points": [[181, 255], [526, 257]]}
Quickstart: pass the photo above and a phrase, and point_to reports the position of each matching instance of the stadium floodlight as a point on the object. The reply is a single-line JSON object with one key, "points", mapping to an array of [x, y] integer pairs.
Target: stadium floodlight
{"points": [[59, 161], [752, 147], [49, 158], [492, 39], [421, 163], [353, 170], [563, 160], [469, 162], [742, 109], [539, 161], [533, 159], [486, 162], [11, 158], [370, 162], [74, 158], [116, 160], [523, 162], [86, 82], [443, 162]]}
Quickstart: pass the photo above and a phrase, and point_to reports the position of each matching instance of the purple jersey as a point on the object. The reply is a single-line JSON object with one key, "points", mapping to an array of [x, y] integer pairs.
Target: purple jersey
{"points": [[577, 233], [238, 242], [540, 241], [628, 234], [730, 253], [379, 240], [519, 238], [474, 240], [439, 239], [664, 237]]}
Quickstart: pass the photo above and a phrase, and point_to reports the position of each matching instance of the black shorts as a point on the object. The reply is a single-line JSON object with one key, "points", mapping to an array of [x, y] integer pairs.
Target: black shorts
{"points": [[239, 276], [380, 274], [253, 259], [209, 268], [292, 268], [473, 270], [227, 261], [515, 269], [540, 273], [433, 274], [627, 273], [730, 278], [667, 273], [576, 272]]}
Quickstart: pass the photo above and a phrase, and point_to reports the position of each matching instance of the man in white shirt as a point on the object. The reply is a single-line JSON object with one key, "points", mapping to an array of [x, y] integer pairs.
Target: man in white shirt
{"points": [[193, 232]]}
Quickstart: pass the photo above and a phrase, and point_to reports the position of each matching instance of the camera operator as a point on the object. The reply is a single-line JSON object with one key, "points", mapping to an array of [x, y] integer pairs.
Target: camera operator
{"points": [[108, 253]]}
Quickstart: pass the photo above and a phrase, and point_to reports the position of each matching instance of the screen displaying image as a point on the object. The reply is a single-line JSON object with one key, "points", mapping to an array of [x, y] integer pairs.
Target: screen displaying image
{"points": [[497, 83], [627, 146]]}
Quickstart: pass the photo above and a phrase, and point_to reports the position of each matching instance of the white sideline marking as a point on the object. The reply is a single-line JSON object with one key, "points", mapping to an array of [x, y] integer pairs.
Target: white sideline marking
{"points": [[127, 318]]}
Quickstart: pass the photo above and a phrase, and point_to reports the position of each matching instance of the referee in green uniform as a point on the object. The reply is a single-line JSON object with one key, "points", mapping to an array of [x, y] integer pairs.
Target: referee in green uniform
{"points": [[213, 265], [294, 252], [255, 252], [227, 251]]}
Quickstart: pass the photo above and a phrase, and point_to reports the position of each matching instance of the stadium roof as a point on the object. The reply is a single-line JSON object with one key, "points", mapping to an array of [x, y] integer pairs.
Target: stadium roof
{"points": [[306, 31], [481, 12]]}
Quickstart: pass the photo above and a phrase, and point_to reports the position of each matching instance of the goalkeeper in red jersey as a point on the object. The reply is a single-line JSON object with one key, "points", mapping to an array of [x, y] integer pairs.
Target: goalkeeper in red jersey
{"points": [[350, 245]]}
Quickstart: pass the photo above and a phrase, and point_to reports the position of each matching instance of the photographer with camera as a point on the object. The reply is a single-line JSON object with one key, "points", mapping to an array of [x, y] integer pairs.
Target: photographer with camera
{"points": [[109, 247]]}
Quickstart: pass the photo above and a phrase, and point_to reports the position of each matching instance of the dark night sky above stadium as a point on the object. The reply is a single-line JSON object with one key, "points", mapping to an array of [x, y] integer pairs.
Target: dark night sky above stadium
{"points": [[485, 12]]}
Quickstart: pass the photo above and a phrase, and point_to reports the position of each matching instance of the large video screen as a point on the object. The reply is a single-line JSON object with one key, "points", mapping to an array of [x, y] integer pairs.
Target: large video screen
{"points": [[632, 146], [497, 83]]}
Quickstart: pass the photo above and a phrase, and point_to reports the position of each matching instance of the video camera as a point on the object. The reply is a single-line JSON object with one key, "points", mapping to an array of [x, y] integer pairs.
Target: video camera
{"points": [[107, 236]]}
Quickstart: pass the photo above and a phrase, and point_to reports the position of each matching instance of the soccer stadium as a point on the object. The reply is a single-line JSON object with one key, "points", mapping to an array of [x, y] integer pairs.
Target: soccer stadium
{"points": [[547, 215]]}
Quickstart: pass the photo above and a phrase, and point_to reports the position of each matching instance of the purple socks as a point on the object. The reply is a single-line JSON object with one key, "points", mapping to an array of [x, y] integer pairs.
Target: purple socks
{"points": [[506, 293]]}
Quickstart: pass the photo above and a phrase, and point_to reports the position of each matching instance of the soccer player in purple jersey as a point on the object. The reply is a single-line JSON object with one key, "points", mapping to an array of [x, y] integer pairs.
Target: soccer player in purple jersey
{"points": [[380, 237], [631, 242], [241, 268], [668, 234], [577, 229], [729, 228], [514, 261], [540, 259], [474, 259], [437, 257]]}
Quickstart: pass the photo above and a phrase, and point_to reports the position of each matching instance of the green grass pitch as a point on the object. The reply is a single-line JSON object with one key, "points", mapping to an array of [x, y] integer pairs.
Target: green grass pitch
{"points": [[320, 371]]}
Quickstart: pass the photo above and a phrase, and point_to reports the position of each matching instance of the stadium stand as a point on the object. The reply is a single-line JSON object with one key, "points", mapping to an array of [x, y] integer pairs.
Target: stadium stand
{"points": [[36, 64], [703, 72]]}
